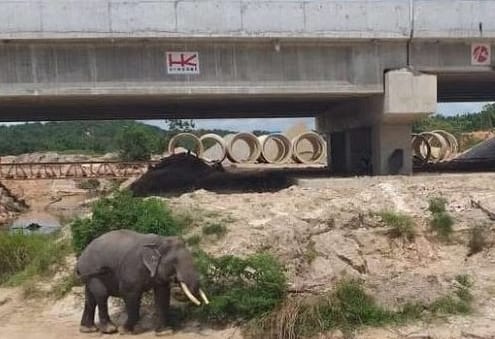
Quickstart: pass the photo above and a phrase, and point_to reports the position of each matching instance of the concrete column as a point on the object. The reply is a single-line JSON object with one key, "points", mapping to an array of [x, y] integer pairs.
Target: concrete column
{"points": [[391, 149]]}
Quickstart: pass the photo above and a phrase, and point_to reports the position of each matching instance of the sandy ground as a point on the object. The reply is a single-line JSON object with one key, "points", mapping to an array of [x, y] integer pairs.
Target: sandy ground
{"points": [[335, 221]]}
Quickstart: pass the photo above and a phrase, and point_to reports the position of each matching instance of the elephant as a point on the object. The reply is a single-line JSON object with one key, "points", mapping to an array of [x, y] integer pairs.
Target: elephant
{"points": [[126, 264]]}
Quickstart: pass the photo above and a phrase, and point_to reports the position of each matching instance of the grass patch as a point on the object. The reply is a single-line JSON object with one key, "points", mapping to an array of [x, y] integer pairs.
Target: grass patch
{"points": [[347, 308], [437, 205], [193, 240], [310, 254], [24, 256], [64, 286], [214, 229], [402, 225], [442, 224], [478, 240], [123, 211]]}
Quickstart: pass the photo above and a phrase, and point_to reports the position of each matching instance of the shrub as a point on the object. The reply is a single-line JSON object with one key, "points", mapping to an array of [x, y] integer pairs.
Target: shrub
{"points": [[402, 225], [442, 224], [437, 205], [218, 229], [23, 256], [193, 240], [240, 289], [123, 211], [136, 143], [477, 241]]}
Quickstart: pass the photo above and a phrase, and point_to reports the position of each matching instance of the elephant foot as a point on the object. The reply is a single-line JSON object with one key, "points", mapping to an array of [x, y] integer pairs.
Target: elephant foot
{"points": [[163, 331], [108, 328], [124, 330], [88, 329]]}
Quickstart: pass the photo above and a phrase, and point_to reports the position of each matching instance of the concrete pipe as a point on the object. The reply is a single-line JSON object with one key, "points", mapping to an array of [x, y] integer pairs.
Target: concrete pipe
{"points": [[186, 141], [218, 151], [308, 148], [275, 148], [243, 147], [451, 140], [440, 148], [421, 149]]}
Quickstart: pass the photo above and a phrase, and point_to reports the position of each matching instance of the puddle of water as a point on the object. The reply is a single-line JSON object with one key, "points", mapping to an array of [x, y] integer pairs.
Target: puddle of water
{"points": [[35, 222]]}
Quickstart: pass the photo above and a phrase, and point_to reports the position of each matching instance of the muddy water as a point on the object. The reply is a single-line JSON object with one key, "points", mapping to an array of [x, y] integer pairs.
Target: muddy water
{"points": [[36, 222]]}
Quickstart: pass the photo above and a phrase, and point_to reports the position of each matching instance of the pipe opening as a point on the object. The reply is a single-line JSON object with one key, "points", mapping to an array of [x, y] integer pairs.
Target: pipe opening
{"points": [[275, 148], [183, 142], [215, 147], [308, 148], [243, 148]]}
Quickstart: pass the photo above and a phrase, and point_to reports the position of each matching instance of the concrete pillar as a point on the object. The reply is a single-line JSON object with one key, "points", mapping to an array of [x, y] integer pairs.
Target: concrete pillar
{"points": [[391, 149]]}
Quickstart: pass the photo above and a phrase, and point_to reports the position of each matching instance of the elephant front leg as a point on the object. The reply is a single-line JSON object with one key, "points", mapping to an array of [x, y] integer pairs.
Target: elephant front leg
{"points": [[162, 305], [132, 305]]}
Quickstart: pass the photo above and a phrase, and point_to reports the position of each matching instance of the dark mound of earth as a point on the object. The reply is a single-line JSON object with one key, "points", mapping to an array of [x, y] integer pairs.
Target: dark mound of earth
{"points": [[183, 172]]}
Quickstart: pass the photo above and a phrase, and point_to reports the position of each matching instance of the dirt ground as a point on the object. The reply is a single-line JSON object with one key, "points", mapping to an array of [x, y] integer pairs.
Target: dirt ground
{"points": [[322, 230]]}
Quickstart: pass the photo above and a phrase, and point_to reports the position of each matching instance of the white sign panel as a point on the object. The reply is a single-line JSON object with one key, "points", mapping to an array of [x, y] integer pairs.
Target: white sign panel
{"points": [[481, 54], [182, 63]]}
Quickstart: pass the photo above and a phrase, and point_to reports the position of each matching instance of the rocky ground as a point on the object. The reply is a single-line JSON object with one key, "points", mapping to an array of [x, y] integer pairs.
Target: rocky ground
{"points": [[323, 230]]}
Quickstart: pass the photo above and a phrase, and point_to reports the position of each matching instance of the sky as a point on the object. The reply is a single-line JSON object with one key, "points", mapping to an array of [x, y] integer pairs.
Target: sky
{"points": [[284, 123]]}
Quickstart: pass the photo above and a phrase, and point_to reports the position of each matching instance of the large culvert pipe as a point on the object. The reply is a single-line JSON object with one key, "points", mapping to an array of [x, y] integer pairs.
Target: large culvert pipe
{"points": [[243, 147], [421, 149], [218, 151], [275, 148], [451, 140], [180, 138], [438, 144], [308, 148]]}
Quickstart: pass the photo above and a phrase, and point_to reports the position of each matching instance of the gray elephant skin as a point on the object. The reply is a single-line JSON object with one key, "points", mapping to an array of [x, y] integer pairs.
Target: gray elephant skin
{"points": [[126, 264]]}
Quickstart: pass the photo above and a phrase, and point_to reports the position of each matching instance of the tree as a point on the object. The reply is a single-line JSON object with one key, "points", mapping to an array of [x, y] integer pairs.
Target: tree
{"points": [[180, 125], [136, 144]]}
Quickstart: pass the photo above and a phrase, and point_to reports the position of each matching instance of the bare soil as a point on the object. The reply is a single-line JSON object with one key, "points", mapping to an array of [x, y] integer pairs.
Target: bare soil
{"points": [[324, 230]]}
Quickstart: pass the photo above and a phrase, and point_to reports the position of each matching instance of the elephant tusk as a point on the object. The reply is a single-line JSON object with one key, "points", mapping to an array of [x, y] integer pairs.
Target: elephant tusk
{"points": [[189, 294], [203, 296]]}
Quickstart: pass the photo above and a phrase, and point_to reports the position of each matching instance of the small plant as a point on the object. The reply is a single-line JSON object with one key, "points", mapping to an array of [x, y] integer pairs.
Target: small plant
{"points": [[402, 225], [123, 211], [437, 205], [442, 224], [89, 184], [193, 240], [214, 229], [311, 253], [477, 241]]}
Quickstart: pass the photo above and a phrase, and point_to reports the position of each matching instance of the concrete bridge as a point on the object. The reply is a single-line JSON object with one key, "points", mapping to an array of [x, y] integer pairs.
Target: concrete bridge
{"points": [[365, 69]]}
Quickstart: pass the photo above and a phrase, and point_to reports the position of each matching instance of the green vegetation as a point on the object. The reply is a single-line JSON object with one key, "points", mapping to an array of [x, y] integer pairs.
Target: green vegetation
{"points": [[402, 225], [193, 240], [349, 307], [310, 254], [437, 205], [240, 289], [459, 124], [123, 211], [24, 256], [135, 143], [442, 224], [214, 229]]}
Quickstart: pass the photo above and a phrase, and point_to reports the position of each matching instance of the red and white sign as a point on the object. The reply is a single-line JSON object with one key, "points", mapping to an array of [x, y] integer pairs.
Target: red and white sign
{"points": [[182, 63], [481, 54]]}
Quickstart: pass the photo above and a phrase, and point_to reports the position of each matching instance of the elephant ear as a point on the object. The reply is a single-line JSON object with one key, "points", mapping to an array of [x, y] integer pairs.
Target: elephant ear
{"points": [[151, 259]]}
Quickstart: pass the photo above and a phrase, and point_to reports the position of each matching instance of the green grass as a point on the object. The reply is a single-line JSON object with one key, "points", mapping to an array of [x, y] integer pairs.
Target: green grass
{"points": [[401, 225], [310, 254], [214, 229], [193, 240], [437, 205], [24, 256], [442, 223], [349, 307]]}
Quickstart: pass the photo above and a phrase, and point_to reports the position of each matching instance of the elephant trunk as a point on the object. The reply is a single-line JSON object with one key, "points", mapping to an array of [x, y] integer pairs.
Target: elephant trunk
{"points": [[188, 279]]}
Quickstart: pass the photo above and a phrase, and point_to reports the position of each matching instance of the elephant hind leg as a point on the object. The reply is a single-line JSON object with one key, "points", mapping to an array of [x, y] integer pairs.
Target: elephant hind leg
{"points": [[88, 317], [99, 290]]}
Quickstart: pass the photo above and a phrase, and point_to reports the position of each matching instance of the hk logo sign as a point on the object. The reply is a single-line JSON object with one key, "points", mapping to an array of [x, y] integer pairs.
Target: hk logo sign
{"points": [[182, 63], [481, 54]]}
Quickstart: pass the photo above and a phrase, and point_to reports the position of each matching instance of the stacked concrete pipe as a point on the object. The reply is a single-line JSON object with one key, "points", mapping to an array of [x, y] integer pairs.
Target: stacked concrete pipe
{"points": [[434, 146], [275, 148], [253, 147], [176, 139], [221, 153], [318, 146]]}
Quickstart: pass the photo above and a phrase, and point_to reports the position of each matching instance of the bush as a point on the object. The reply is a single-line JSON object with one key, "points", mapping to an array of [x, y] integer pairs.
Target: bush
{"points": [[477, 241], [437, 205], [402, 226], [214, 229], [123, 211], [240, 289], [23, 256], [442, 224]]}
